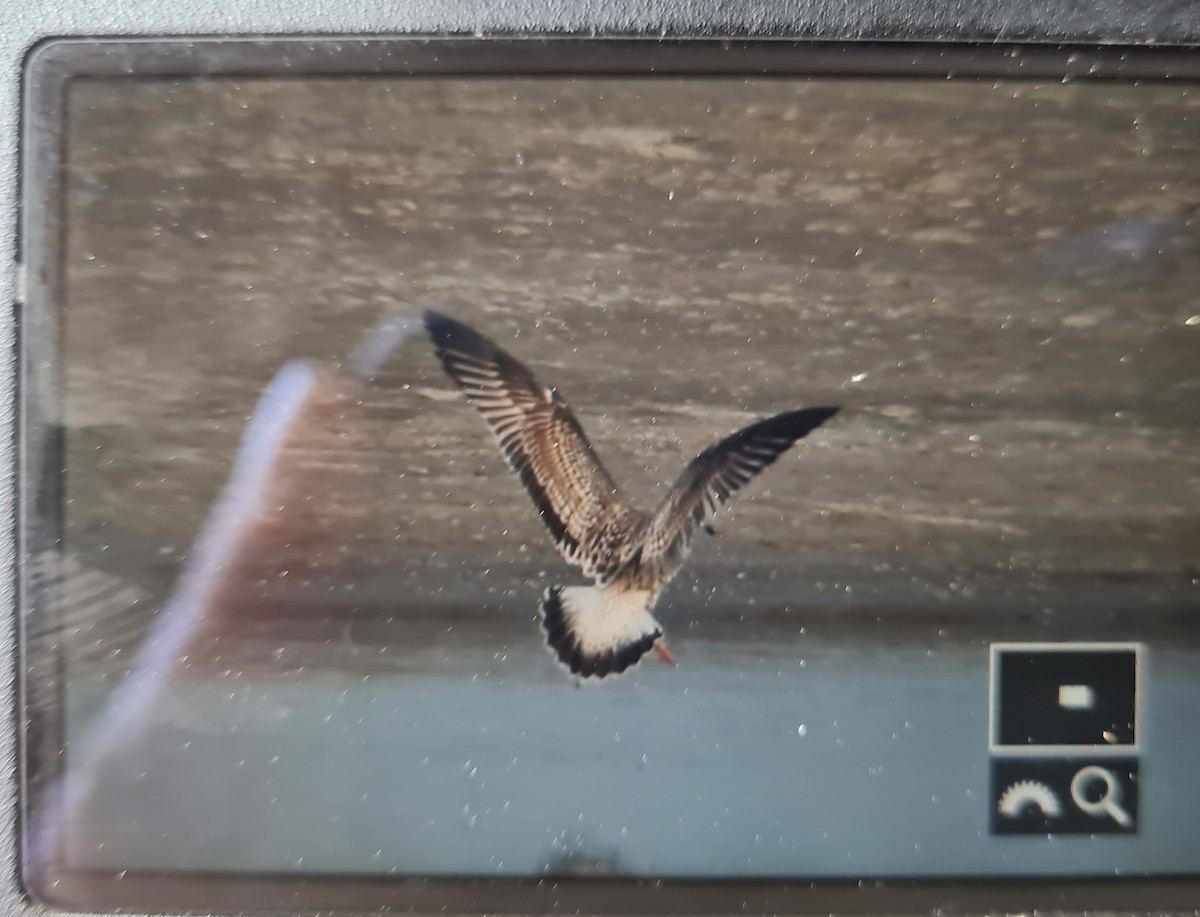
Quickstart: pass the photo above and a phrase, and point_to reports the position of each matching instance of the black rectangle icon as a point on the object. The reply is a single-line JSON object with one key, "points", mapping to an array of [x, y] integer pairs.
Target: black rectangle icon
{"points": [[1084, 795], [1064, 698]]}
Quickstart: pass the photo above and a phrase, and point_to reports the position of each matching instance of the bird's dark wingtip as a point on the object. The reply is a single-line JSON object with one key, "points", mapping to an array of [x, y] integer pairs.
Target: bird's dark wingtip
{"points": [[436, 323], [796, 424], [448, 333], [826, 412]]}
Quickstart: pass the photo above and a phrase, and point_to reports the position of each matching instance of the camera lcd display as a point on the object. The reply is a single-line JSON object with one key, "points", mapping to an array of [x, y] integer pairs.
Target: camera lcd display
{"points": [[638, 478]]}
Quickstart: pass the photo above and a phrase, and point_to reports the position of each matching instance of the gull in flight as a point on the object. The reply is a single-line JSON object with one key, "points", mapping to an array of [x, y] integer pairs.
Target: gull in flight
{"points": [[631, 554]]}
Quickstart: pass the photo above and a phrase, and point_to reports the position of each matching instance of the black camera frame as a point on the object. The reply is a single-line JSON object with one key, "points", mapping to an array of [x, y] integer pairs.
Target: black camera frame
{"points": [[50, 65]]}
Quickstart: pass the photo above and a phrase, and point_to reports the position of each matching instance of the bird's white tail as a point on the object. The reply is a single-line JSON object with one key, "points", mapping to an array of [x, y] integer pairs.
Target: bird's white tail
{"points": [[597, 631]]}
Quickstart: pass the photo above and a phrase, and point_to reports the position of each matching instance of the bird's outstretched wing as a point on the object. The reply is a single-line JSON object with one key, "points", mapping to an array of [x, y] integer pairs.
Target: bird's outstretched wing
{"points": [[720, 471], [537, 432]]}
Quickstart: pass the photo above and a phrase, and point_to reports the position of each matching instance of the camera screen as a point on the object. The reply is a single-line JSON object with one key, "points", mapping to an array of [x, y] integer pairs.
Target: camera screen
{"points": [[669, 478]]}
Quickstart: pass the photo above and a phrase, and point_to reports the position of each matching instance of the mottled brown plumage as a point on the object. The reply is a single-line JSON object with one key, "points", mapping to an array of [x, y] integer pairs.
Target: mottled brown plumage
{"points": [[632, 554]]}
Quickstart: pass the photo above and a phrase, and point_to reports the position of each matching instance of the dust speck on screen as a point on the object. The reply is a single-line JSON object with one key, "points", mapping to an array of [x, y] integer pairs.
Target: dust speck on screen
{"points": [[627, 478]]}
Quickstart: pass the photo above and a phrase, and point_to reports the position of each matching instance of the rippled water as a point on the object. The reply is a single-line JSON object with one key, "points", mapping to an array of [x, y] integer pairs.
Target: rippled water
{"points": [[817, 756]]}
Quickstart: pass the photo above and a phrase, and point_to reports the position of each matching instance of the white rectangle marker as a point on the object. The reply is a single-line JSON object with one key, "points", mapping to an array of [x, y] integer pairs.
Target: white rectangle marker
{"points": [[1076, 697]]}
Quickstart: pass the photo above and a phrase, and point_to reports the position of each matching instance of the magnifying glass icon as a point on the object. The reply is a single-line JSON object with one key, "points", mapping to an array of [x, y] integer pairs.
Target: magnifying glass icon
{"points": [[1109, 802]]}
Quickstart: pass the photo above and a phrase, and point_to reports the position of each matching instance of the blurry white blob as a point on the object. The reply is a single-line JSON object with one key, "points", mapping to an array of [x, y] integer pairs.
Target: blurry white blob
{"points": [[1076, 697], [1120, 242], [248, 519]]}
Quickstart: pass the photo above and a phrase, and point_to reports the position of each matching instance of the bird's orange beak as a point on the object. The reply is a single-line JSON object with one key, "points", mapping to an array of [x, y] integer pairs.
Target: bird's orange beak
{"points": [[663, 653]]}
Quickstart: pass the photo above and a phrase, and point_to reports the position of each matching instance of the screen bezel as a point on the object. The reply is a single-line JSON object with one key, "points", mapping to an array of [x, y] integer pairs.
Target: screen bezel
{"points": [[49, 71]]}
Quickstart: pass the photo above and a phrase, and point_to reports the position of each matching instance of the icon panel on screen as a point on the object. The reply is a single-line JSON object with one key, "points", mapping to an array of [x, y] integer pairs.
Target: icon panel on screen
{"points": [[1064, 738]]}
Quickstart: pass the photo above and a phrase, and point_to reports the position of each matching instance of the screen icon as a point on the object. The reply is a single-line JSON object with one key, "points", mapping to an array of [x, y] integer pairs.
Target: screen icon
{"points": [[1064, 796], [1107, 801], [1076, 697], [1063, 731], [1068, 698], [1019, 796]]}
